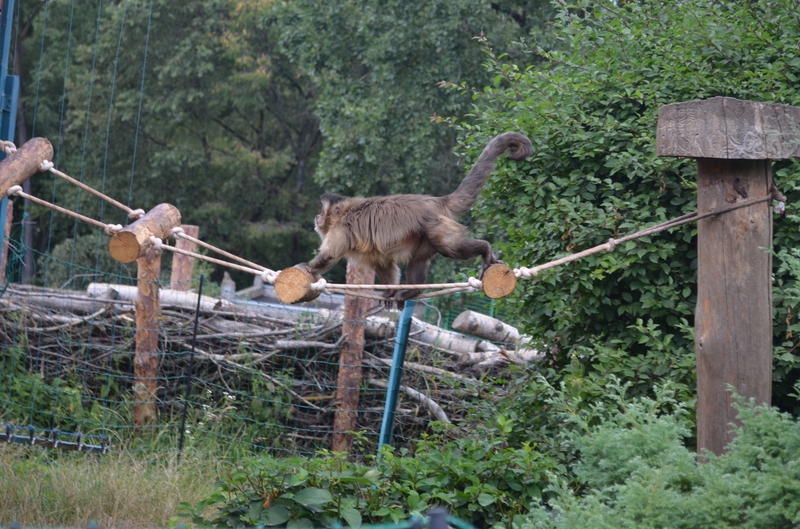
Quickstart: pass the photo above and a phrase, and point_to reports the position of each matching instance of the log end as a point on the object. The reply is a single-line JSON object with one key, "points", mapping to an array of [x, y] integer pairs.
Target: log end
{"points": [[293, 285], [124, 247], [499, 281]]}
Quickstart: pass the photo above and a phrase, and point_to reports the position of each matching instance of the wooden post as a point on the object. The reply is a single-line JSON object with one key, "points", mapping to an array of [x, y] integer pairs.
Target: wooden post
{"points": [[733, 141], [348, 382], [183, 265], [6, 239], [145, 360]]}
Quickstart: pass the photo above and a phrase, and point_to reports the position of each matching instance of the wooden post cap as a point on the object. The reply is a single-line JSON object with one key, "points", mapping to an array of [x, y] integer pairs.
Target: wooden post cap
{"points": [[24, 163], [499, 281], [133, 241], [729, 129], [293, 285]]}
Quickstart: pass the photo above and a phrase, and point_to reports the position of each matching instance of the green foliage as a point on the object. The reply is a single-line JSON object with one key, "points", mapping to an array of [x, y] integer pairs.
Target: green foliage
{"points": [[481, 479], [376, 65], [591, 112], [186, 102], [636, 471]]}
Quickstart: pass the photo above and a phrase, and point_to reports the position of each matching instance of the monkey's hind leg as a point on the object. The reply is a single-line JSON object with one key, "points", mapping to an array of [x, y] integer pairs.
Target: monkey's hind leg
{"points": [[416, 273], [388, 275], [448, 240]]}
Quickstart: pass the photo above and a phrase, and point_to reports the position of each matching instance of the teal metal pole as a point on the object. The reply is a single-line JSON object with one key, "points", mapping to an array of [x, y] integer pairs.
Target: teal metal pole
{"points": [[9, 94], [395, 374]]}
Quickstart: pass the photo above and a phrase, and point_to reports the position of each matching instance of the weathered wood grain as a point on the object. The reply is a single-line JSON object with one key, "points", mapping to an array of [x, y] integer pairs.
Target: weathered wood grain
{"points": [[733, 318], [728, 128]]}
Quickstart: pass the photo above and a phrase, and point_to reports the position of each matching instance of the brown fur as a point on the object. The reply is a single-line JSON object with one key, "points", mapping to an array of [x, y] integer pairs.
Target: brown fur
{"points": [[380, 232]]}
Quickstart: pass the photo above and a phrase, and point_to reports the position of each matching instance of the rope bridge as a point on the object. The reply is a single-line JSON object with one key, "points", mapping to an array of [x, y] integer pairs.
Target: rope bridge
{"points": [[292, 285]]}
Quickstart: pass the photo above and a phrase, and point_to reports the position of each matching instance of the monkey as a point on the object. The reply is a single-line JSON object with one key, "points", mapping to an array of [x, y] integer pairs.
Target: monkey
{"points": [[384, 231]]}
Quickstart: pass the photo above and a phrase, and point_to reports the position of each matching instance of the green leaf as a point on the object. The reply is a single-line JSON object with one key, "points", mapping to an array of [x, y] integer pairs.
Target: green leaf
{"points": [[275, 515], [302, 523], [313, 496], [486, 499], [352, 517]]}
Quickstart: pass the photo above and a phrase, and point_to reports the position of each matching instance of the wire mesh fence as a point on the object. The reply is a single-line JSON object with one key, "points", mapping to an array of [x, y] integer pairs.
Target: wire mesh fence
{"points": [[262, 377]]}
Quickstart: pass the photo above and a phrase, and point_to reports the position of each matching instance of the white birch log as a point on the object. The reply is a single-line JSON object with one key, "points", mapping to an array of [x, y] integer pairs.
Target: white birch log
{"points": [[167, 296], [478, 324]]}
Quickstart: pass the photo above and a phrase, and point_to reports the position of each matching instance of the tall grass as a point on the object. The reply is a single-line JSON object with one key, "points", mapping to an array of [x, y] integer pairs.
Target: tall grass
{"points": [[40, 489]]}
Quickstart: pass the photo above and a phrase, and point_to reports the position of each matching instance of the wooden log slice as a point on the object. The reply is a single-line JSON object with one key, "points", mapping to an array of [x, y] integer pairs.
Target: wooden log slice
{"points": [[24, 163], [134, 240], [499, 281], [293, 285]]}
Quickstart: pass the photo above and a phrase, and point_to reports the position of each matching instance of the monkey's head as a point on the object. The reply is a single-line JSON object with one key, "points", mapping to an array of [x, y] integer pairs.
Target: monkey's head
{"points": [[332, 208]]}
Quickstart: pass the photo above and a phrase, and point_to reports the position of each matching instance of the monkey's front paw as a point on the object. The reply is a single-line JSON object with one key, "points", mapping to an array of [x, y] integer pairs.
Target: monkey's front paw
{"points": [[485, 267]]}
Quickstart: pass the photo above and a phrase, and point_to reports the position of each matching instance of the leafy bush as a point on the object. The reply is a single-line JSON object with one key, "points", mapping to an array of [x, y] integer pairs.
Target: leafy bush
{"points": [[636, 471], [482, 480], [591, 112]]}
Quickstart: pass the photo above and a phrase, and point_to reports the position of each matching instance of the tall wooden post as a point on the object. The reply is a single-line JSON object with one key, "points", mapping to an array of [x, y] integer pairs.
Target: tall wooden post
{"points": [[733, 141], [6, 238], [145, 360], [183, 265], [348, 382]]}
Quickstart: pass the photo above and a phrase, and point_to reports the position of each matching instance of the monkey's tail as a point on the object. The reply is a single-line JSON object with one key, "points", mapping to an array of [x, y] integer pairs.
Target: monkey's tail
{"points": [[461, 200]]}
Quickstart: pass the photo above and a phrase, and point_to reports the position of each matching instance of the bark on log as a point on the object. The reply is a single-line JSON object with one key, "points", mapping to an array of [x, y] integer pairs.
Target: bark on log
{"points": [[183, 265], [133, 241], [429, 403], [21, 165], [477, 324], [145, 360], [348, 382], [170, 297]]}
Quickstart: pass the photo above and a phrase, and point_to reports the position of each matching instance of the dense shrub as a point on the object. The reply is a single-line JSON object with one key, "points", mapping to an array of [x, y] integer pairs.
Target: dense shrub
{"points": [[481, 479], [635, 470]]}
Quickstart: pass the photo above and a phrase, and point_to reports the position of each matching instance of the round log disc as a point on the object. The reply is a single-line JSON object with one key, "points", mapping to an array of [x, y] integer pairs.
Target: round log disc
{"points": [[124, 247], [499, 281], [293, 285]]}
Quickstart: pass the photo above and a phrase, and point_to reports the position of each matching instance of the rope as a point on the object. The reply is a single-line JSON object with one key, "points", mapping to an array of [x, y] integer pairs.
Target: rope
{"points": [[110, 229], [674, 223], [158, 244], [132, 213], [178, 233], [8, 147]]}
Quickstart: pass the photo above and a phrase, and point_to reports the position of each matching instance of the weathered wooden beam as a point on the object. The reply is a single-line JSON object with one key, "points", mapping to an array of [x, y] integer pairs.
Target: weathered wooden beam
{"points": [[733, 141], [133, 241], [729, 129]]}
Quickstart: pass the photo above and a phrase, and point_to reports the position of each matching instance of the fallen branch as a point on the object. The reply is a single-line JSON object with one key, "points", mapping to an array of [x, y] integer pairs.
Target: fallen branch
{"points": [[433, 408]]}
